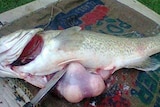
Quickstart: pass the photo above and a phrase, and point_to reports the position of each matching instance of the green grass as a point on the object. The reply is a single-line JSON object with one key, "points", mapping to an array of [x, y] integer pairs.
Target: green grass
{"points": [[10, 4], [152, 4]]}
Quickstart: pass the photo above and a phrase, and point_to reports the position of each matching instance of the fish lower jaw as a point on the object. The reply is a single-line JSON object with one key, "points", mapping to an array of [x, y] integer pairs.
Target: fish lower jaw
{"points": [[36, 80]]}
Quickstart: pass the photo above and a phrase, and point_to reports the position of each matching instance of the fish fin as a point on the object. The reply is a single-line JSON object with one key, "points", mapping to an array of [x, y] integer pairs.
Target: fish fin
{"points": [[67, 61], [69, 31], [69, 39], [104, 72], [150, 64], [110, 68]]}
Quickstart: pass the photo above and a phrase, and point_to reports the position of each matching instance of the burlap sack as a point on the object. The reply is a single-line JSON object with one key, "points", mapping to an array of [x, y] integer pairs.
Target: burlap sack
{"points": [[126, 87]]}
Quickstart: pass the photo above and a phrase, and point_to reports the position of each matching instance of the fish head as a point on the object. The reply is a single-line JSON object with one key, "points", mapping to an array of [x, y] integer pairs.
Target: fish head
{"points": [[21, 48], [11, 48], [34, 55]]}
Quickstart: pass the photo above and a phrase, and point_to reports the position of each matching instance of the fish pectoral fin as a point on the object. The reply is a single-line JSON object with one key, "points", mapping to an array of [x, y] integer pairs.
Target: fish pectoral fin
{"points": [[150, 64], [105, 72], [67, 62], [110, 69]]}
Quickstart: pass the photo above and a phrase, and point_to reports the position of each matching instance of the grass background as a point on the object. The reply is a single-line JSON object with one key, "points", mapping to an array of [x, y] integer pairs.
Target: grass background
{"points": [[10, 4], [152, 4]]}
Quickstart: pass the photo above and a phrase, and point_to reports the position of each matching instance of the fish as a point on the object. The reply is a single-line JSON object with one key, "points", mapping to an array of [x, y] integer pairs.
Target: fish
{"points": [[51, 51]]}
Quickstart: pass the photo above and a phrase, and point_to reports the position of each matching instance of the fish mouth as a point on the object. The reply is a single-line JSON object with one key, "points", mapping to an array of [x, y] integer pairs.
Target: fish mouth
{"points": [[29, 53]]}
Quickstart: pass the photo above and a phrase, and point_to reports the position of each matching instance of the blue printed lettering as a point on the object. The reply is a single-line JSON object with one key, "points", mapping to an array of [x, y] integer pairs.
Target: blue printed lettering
{"points": [[114, 29], [147, 87], [114, 26], [72, 18], [157, 104], [144, 95], [123, 24], [147, 81]]}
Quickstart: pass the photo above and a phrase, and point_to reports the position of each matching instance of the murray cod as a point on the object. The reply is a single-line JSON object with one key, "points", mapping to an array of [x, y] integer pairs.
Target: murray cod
{"points": [[32, 54]]}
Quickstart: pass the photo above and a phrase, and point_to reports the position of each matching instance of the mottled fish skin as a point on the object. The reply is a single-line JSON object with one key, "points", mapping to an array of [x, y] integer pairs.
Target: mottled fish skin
{"points": [[95, 51], [104, 51], [118, 51]]}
